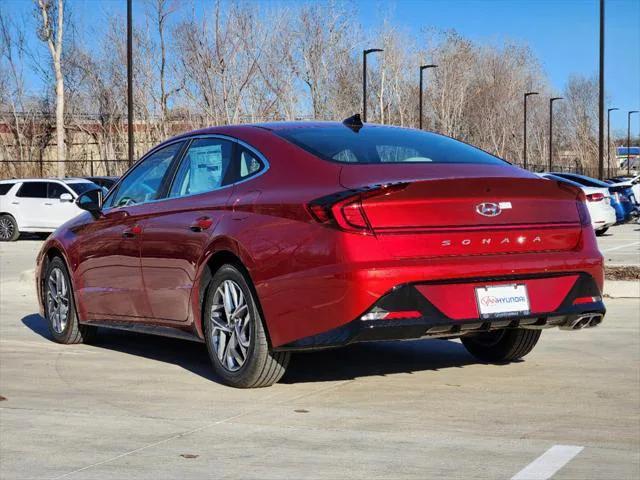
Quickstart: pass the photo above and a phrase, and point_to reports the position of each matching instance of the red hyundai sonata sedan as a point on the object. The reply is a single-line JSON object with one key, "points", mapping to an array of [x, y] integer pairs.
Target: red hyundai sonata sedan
{"points": [[264, 239]]}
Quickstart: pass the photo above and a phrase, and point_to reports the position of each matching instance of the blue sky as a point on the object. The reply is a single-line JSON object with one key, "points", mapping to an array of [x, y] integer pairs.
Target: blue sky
{"points": [[562, 33]]}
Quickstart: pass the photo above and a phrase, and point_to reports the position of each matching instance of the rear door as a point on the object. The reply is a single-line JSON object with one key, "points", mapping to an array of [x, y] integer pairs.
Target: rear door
{"points": [[178, 229], [31, 206]]}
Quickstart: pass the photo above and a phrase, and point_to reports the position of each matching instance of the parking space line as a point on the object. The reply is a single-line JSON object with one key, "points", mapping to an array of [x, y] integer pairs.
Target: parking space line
{"points": [[547, 464], [620, 247]]}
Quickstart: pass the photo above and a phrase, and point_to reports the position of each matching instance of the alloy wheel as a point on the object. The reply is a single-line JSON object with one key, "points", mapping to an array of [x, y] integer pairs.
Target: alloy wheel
{"points": [[57, 300], [231, 325], [6, 228]]}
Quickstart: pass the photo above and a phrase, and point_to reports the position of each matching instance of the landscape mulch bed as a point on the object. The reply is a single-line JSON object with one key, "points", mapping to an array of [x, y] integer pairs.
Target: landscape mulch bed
{"points": [[622, 273]]}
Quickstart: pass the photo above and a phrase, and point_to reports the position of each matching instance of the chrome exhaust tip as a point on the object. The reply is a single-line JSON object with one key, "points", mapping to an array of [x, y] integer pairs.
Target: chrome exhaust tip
{"points": [[580, 322], [595, 320], [583, 321], [573, 324]]}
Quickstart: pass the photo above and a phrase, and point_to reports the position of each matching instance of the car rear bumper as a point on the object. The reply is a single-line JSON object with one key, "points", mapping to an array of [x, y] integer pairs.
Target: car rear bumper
{"points": [[603, 217], [438, 310], [326, 294]]}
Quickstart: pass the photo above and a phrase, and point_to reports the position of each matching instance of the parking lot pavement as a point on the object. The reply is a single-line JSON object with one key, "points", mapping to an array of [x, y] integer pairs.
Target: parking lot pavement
{"points": [[132, 406], [621, 245]]}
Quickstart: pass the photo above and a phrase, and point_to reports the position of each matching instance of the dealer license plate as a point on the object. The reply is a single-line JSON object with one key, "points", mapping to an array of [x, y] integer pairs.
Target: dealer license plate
{"points": [[502, 300]]}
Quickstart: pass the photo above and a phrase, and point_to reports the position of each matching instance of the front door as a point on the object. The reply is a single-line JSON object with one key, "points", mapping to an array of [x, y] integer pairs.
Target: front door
{"points": [[58, 211], [111, 286], [111, 283]]}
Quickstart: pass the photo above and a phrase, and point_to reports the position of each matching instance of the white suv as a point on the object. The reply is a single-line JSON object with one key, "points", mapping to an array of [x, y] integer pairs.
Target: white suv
{"points": [[38, 205]]}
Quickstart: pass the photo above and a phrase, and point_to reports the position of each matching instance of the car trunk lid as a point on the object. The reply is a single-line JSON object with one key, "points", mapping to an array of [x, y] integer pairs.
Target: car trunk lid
{"points": [[471, 213]]}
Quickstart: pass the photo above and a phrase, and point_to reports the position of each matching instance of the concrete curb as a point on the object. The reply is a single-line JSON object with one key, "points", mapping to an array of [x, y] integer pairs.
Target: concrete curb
{"points": [[622, 288]]}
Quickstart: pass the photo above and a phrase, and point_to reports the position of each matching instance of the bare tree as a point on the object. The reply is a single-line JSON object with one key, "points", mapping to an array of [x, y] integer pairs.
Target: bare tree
{"points": [[579, 119], [25, 126], [51, 32], [160, 11], [219, 57], [450, 85], [323, 39]]}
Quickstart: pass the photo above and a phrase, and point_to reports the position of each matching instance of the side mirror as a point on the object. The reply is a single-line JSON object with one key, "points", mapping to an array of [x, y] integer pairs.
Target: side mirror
{"points": [[66, 197], [91, 201]]}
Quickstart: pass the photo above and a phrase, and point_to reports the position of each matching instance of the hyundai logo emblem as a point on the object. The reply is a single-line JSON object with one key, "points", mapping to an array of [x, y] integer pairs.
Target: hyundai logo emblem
{"points": [[488, 209]]}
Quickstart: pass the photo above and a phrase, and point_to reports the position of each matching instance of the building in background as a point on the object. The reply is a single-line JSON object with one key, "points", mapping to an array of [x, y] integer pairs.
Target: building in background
{"points": [[628, 154]]}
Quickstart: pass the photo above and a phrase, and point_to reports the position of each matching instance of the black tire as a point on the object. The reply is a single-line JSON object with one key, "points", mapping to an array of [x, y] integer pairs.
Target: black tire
{"points": [[260, 367], [72, 331], [8, 228], [501, 346], [601, 232]]}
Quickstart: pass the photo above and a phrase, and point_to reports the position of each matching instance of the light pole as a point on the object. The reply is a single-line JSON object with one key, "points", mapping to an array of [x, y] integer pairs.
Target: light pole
{"points": [[364, 80], [551, 100], [130, 81], [601, 97], [524, 148], [609, 110], [629, 140], [422, 69]]}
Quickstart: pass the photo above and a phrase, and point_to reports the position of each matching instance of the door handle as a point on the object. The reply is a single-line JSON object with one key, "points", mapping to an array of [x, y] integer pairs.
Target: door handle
{"points": [[48, 203], [132, 232], [15, 203], [202, 223]]}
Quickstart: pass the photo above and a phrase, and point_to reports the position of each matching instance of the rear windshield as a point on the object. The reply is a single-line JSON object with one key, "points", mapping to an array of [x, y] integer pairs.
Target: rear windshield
{"points": [[589, 182], [562, 179], [383, 145]]}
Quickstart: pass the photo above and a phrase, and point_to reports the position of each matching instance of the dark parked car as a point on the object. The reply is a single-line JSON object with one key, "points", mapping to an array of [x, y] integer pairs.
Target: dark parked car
{"points": [[260, 240], [104, 182]]}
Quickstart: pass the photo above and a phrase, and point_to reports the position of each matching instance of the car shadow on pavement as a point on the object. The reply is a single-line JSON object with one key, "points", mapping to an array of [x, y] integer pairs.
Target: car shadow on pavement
{"points": [[189, 355], [354, 361], [376, 359]]}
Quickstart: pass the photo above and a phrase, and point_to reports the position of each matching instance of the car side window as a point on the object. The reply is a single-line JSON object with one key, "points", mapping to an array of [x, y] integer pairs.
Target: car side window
{"points": [[143, 184], [250, 164], [54, 190], [33, 190], [204, 167]]}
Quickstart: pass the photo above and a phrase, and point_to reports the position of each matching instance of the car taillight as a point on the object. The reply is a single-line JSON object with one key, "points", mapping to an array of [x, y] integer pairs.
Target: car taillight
{"points": [[344, 209], [583, 300], [595, 197]]}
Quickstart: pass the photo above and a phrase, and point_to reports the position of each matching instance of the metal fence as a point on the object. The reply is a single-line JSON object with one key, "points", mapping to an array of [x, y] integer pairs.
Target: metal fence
{"points": [[612, 171], [73, 168]]}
